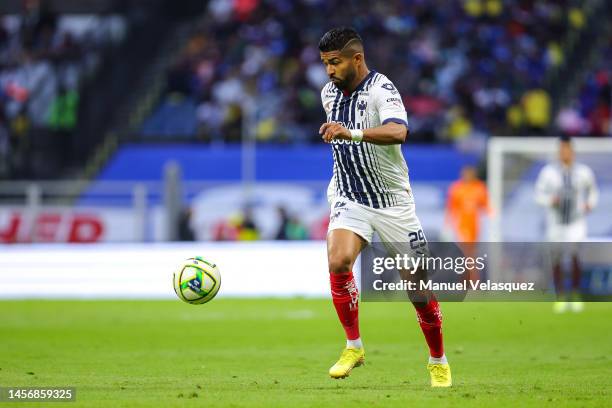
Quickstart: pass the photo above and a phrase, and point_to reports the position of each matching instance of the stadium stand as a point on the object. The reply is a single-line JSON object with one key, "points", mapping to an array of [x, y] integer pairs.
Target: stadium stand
{"points": [[70, 71], [590, 113], [264, 54], [467, 70], [44, 57]]}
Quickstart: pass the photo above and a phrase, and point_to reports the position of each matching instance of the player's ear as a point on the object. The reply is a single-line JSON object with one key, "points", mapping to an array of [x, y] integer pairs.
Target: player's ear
{"points": [[358, 58]]}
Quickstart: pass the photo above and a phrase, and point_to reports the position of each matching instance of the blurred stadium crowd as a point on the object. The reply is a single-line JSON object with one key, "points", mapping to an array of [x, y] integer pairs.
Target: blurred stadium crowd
{"points": [[467, 69], [43, 58], [590, 113]]}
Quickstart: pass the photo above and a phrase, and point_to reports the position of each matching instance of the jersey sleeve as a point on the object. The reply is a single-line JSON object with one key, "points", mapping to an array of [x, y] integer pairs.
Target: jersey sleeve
{"points": [[388, 103], [544, 192], [325, 100], [592, 190]]}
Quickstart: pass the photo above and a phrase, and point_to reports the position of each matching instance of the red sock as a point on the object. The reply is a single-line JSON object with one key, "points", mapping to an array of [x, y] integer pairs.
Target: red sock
{"points": [[576, 272], [346, 301], [430, 320]]}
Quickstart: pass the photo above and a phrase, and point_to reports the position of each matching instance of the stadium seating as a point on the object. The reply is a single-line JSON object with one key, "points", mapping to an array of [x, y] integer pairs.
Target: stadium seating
{"points": [[172, 118], [453, 88], [590, 112], [44, 57]]}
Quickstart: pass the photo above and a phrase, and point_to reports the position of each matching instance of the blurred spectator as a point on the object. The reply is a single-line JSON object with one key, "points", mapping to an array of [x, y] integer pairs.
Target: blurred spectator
{"points": [[536, 110], [570, 122], [290, 227], [248, 231], [185, 232], [590, 113], [458, 126], [62, 122], [239, 227], [226, 230], [5, 147]]}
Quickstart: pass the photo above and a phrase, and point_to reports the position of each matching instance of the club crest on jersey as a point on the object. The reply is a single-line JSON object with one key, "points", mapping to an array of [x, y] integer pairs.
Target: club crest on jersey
{"points": [[361, 106], [389, 87]]}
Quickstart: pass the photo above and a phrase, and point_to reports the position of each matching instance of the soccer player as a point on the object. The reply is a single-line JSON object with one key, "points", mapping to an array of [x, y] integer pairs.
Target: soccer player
{"points": [[369, 190], [467, 200], [569, 192]]}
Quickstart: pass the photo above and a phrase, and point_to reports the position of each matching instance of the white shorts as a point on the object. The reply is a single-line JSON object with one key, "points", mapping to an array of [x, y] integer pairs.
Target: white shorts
{"points": [[565, 238], [574, 232], [398, 227]]}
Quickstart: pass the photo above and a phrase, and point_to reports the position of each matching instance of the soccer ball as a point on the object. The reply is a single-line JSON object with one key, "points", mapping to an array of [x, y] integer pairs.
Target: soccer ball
{"points": [[197, 281]]}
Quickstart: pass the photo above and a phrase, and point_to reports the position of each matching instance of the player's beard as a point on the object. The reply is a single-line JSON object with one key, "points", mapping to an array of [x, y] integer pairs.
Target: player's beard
{"points": [[348, 79]]}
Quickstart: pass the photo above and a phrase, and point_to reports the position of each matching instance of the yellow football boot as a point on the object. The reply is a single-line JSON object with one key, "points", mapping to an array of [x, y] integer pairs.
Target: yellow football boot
{"points": [[350, 358], [440, 375]]}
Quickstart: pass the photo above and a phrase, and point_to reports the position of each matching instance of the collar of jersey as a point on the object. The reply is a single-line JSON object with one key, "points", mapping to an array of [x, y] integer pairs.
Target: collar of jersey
{"points": [[361, 84]]}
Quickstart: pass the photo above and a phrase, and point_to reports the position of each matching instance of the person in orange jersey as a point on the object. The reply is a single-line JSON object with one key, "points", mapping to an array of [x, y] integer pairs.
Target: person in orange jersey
{"points": [[467, 200]]}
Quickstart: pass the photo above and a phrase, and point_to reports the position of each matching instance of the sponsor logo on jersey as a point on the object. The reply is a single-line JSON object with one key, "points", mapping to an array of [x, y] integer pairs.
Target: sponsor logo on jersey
{"points": [[348, 125], [343, 141], [395, 101]]}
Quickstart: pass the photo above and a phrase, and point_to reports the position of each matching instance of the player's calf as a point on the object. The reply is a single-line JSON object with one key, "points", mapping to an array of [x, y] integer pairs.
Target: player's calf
{"points": [[345, 297]]}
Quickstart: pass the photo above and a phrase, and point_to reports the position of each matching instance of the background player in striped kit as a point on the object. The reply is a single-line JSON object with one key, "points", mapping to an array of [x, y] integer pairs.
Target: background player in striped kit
{"points": [[369, 190], [569, 192]]}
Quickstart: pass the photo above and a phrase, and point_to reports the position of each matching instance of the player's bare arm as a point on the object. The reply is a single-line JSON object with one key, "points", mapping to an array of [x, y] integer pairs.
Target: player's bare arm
{"points": [[388, 134]]}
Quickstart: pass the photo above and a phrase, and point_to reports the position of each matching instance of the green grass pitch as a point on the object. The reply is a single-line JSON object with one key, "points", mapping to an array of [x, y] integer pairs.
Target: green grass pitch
{"points": [[276, 352]]}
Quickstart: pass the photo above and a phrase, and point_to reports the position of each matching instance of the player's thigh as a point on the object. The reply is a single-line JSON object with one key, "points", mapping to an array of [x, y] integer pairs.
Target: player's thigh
{"points": [[573, 234], [401, 233], [343, 247], [400, 230], [349, 231], [348, 215]]}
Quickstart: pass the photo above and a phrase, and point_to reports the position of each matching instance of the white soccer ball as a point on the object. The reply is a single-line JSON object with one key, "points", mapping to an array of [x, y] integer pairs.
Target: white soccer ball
{"points": [[197, 281]]}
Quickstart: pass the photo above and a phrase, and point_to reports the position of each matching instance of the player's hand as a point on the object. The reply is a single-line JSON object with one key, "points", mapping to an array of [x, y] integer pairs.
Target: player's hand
{"points": [[332, 130], [587, 208], [556, 201]]}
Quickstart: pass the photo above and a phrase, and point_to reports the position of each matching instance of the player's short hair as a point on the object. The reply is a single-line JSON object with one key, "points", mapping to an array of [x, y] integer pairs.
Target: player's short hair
{"points": [[337, 38], [565, 139]]}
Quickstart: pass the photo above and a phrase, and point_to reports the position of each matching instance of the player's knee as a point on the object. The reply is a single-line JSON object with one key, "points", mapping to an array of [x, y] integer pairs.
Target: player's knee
{"points": [[340, 263]]}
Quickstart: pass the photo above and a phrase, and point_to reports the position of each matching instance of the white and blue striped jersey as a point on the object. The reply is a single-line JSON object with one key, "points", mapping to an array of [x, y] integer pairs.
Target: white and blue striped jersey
{"points": [[574, 187], [369, 174]]}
